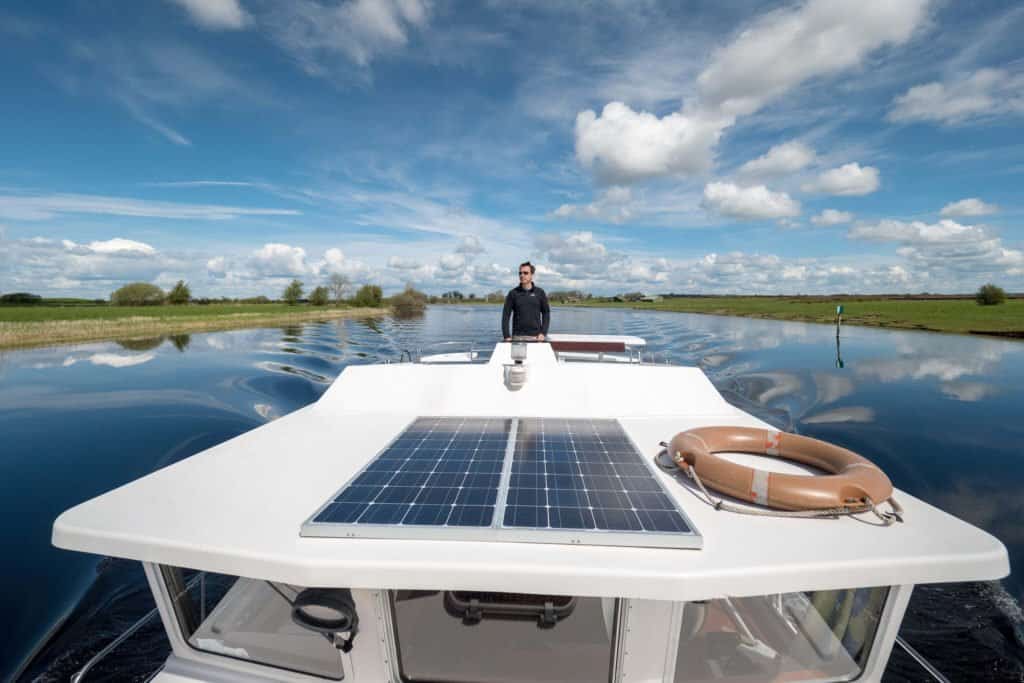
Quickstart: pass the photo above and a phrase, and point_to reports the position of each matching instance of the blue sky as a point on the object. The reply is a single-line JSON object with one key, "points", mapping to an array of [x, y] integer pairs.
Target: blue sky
{"points": [[819, 146]]}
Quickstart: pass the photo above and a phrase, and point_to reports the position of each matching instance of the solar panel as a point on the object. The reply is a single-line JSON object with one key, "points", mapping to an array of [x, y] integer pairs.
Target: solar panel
{"points": [[585, 474], [440, 471], [508, 479]]}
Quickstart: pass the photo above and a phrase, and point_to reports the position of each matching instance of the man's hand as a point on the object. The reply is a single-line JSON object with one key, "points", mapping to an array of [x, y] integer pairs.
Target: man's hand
{"points": [[540, 337]]}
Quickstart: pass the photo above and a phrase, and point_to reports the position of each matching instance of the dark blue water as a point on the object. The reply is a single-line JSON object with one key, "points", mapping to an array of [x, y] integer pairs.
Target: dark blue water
{"points": [[940, 413]]}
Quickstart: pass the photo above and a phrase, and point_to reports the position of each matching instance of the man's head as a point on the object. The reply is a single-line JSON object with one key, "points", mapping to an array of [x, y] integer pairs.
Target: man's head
{"points": [[526, 271]]}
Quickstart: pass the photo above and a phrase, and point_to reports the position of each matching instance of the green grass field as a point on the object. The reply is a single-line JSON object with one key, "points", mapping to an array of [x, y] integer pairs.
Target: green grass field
{"points": [[40, 313], [938, 315], [48, 324]]}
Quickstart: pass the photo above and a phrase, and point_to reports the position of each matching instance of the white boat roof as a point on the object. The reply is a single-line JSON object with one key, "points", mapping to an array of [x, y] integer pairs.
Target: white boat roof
{"points": [[237, 508]]}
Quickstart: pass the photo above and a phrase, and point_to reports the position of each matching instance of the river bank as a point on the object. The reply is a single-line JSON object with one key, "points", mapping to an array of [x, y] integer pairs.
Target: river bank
{"points": [[27, 326], [960, 316]]}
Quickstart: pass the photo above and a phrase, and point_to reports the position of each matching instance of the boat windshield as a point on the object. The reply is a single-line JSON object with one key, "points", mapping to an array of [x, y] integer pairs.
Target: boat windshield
{"points": [[507, 637], [248, 619], [819, 636]]}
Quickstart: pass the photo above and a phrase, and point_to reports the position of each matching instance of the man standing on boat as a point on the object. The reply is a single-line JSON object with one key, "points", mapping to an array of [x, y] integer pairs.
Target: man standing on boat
{"points": [[528, 307]]}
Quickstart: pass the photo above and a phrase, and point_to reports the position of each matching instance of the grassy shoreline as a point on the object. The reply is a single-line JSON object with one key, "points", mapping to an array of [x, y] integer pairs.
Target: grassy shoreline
{"points": [[959, 316], [28, 326]]}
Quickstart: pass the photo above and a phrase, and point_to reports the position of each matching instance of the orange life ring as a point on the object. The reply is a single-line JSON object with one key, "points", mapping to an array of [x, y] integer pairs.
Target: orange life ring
{"points": [[855, 482]]}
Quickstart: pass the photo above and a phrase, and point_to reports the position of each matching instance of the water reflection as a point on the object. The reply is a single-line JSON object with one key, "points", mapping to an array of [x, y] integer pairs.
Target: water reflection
{"points": [[939, 413], [147, 344]]}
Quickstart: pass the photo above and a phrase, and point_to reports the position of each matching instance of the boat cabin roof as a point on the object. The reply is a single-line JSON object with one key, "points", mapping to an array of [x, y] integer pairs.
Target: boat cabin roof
{"points": [[237, 508]]}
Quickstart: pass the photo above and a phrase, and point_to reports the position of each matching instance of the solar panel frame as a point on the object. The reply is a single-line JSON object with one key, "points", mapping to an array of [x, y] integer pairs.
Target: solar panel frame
{"points": [[390, 522]]}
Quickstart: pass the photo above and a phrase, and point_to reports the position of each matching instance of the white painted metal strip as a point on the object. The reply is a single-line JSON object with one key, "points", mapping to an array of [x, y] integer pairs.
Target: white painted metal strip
{"points": [[506, 475]]}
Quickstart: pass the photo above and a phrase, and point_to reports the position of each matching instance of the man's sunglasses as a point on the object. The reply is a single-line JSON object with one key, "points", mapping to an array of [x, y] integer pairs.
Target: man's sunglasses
{"points": [[524, 272]]}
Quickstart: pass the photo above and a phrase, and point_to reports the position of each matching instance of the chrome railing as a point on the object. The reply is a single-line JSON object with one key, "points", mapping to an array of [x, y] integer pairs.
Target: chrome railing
{"points": [[132, 630], [919, 658]]}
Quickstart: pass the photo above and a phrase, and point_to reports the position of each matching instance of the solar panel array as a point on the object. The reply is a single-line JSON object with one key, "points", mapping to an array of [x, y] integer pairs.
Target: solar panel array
{"points": [[511, 479]]}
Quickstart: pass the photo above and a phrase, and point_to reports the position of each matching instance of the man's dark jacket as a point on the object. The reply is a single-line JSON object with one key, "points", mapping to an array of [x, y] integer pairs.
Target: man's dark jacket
{"points": [[529, 310]]}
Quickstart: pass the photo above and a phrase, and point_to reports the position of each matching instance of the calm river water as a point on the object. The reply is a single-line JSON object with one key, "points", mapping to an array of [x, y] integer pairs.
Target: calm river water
{"points": [[941, 414]]}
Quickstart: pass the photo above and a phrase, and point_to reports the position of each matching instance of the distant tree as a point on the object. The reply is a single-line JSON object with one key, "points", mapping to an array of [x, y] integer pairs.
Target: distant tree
{"points": [[339, 285], [368, 295], [632, 296], [472, 296], [20, 298], [137, 294], [990, 295], [179, 294], [409, 303], [319, 296], [292, 293], [496, 297], [453, 295]]}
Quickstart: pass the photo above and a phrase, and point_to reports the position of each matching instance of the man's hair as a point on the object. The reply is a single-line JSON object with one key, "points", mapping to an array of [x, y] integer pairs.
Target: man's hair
{"points": [[533, 268]]}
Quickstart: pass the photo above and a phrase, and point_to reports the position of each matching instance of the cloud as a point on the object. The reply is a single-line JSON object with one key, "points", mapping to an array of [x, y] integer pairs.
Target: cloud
{"points": [[622, 145], [44, 207], [985, 94], [359, 30], [749, 203], [614, 205], [279, 260], [403, 263], [784, 48], [788, 157], [947, 251], [64, 267], [275, 264], [971, 206], [847, 180], [830, 217], [452, 262], [153, 80], [215, 14], [470, 246], [117, 245], [917, 232], [775, 54]]}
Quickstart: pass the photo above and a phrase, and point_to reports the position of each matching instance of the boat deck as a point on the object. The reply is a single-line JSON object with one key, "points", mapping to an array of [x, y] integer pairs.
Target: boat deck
{"points": [[238, 508]]}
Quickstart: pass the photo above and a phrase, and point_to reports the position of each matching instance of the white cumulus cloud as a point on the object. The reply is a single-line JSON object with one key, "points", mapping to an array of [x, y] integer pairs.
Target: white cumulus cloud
{"points": [[787, 157], [749, 203], [403, 263], [279, 260], [215, 14], [847, 180], [972, 206], [613, 205], [982, 95], [622, 145], [787, 47], [773, 55], [832, 217]]}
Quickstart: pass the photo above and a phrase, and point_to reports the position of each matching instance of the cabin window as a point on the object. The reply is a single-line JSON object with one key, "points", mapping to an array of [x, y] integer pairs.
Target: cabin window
{"points": [[819, 636], [509, 637], [248, 619]]}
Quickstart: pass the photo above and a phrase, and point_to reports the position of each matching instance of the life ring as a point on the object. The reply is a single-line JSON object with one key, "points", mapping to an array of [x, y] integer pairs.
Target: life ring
{"points": [[854, 482]]}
